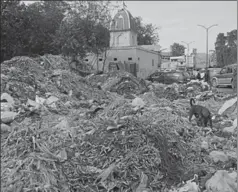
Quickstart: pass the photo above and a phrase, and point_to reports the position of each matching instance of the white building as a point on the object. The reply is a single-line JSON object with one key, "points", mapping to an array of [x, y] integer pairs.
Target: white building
{"points": [[124, 52]]}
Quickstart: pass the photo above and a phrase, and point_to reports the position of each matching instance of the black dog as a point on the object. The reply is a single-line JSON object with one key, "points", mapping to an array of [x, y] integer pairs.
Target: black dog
{"points": [[200, 112]]}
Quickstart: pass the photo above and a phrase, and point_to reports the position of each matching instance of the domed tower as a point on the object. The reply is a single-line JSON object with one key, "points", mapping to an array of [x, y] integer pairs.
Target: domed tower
{"points": [[123, 30]]}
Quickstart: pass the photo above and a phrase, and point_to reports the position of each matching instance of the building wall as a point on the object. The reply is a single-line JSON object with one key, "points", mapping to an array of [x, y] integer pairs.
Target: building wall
{"points": [[133, 39], [148, 62], [190, 61], [112, 54], [123, 55], [201, 65], [169, 65], [123, 38]]}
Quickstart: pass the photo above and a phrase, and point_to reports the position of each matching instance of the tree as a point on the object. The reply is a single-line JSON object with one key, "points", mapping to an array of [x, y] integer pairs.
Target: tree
{"points": [[102, 38], [226, 49], [220, 49], [231, 46], [146, 33], [27, 30], [177, 49], [11, 28], [84, 29], [43, 20]]}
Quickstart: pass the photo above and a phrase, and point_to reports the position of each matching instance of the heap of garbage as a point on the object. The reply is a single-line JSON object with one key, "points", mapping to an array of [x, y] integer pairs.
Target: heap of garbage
{"points": [[120, 82], [194, 88], [110, 132]]}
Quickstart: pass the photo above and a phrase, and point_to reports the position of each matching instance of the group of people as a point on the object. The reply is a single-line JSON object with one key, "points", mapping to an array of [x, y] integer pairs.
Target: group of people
{"points": [[201, 75]]}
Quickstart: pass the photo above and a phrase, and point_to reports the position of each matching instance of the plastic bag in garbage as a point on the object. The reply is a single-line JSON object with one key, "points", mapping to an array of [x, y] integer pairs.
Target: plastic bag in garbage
{"points": [[138, 103], [227, 105], [221, 182]]}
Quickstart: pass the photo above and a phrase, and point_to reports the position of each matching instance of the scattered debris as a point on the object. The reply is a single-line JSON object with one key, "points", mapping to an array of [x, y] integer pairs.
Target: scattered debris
{"points": [[110, 132], [232, 103], [221, 182], [8, 116], [8, 98], [218, 156]]}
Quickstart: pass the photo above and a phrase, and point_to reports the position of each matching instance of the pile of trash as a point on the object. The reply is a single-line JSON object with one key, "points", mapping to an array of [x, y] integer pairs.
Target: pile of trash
{"points": [[129, 145], [180, 91], [52, 151], [50, 61], [198, 85], [23, 78], [20, 77], [72, 135], [170, 92], [120, 82]]}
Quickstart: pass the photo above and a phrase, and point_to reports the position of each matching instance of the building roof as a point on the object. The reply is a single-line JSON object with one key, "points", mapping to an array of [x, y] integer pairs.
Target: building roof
{"points": [[166, 53], [134, 47], [151, 47], [128, 22]]}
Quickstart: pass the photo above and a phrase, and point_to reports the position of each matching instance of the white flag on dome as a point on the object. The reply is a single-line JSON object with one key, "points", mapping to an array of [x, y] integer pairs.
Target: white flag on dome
{"points": [[124, 5]]}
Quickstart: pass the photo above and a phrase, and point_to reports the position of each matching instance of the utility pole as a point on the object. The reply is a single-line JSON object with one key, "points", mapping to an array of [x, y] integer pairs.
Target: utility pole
{"points": [[207, 28], [187, 49]]}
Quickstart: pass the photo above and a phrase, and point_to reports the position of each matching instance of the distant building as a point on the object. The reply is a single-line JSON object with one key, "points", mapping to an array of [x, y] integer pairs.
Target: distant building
{"points": [[140, 60], [212, 58], [165, 56], [194, 60], [184, 61], [200, 60]]}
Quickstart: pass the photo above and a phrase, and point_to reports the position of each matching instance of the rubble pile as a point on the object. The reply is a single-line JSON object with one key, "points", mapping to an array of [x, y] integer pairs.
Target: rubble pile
{"points": [[109, 132], [120, 82], [53, 62], [19, 77], [170, 92], [201, 85], [50, 61], [199, 89], [125, 144], [24, 78], [65, 82]]}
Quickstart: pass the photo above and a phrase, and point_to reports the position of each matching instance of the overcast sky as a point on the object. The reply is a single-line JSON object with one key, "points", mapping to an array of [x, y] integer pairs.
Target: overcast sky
{"points": [[178, 20]]}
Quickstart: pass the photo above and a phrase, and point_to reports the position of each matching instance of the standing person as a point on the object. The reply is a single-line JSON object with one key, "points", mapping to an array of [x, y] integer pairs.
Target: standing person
{"points": [[195, 72], [199, 76], [206, 76], [202, 73]]}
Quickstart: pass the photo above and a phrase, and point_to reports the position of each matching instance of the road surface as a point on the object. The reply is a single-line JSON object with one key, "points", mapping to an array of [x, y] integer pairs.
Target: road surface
{"points": [[225, 90]]}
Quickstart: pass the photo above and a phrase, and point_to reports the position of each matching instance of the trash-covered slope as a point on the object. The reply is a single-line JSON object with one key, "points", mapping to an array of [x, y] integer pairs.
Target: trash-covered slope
{"points": [[71, 135]]}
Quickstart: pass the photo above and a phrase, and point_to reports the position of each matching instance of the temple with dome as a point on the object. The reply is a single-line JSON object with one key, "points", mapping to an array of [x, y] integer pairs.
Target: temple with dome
{"points": [[124, 52]]}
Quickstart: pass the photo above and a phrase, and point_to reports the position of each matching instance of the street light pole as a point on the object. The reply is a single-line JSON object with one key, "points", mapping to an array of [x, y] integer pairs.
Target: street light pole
{"points": [[187, 48], [207, 28]]}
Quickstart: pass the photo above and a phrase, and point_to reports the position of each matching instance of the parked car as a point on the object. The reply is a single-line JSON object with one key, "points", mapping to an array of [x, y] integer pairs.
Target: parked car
{"points": [[169, 77], [224, 77]]}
